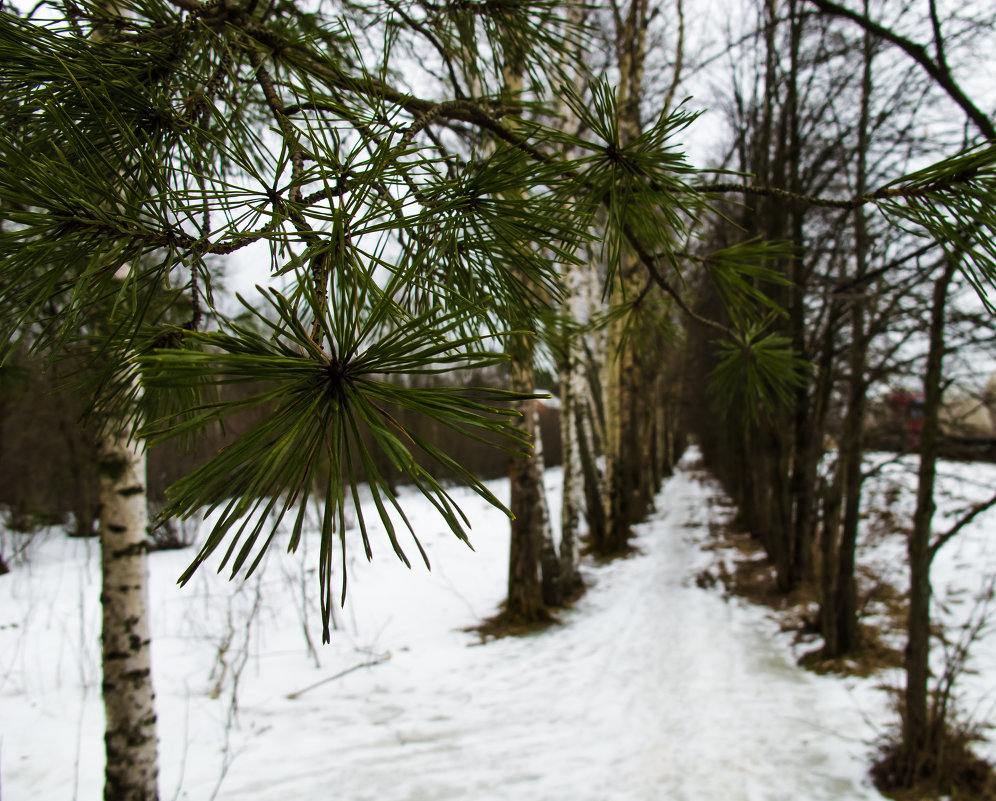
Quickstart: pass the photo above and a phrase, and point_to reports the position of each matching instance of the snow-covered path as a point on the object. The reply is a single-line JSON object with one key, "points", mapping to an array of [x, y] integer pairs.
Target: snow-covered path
{"points": [[653, 688]]}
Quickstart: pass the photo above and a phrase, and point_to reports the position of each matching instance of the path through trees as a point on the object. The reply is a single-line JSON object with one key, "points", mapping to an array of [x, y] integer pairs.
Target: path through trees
{"points": [[654, 687]]}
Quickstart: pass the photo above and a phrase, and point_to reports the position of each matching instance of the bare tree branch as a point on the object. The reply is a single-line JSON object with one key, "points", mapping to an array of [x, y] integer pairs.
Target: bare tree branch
{"points": [[937, 70]]}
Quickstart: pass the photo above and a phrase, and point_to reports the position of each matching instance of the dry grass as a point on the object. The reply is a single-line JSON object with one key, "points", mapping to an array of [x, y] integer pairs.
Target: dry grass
{"points": [[505, 625], [744, 571], [946, 767], [871, 657]]}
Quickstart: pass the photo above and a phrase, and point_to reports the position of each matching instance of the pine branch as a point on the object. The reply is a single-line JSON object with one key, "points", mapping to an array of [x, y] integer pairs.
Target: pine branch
{"points": [[283, 123]]}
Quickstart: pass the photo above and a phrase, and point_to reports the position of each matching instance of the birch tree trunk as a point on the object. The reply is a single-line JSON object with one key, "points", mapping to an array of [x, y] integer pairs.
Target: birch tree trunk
{"points": [[131, 770], [572, 408], [574, 309], [129, 702], [623, 449], [570, 508], [590, 424]]}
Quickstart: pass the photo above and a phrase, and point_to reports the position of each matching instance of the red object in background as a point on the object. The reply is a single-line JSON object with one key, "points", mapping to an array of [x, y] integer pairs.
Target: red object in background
{"points": [[908, 409]]}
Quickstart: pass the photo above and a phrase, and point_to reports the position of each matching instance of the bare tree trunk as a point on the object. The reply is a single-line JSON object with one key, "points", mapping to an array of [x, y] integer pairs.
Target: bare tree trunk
{"points": [[623, 451], [917, 742], [589, 422], [4, 567], [527, 498], [852, 439], [647, 430], [549, 561], [527, 503], [85, 506], [593, 480], [845, 604], [829, 534], [129, 701], [769, 448], [806, 424]]}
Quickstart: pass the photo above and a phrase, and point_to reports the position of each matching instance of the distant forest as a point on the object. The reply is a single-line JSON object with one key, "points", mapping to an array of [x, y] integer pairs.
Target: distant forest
{"points": [[48, 447]]}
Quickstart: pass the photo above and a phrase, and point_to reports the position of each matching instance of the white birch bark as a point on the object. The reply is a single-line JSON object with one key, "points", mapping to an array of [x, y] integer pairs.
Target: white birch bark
{"points": [[131, 771], [573, 387], [573, 391], [594, 366]]}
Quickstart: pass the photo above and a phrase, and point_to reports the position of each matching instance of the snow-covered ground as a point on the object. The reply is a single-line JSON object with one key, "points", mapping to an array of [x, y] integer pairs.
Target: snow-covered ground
{"points": [[650, 688], [962, 574]]}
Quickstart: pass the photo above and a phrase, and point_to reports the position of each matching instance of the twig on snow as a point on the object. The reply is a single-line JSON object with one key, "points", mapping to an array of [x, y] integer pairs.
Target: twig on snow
{"points": [[294, 695]]}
